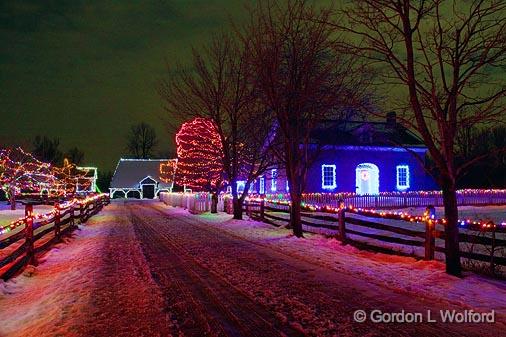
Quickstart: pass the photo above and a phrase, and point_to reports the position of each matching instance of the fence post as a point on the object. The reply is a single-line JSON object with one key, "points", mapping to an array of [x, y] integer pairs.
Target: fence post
{"points": [[72, 216], [57, 222], [342, 225], [492, 249], [81, 213], [262, 209], [30, 251], [430, 243]]}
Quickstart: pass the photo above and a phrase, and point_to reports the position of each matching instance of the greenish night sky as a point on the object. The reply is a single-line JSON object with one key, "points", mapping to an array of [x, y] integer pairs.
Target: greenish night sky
{"points": [[84, 71]]}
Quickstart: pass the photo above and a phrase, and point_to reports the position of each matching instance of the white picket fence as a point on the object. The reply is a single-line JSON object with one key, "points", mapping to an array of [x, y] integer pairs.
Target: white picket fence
{"points": [[193, 202], [386, 200]]}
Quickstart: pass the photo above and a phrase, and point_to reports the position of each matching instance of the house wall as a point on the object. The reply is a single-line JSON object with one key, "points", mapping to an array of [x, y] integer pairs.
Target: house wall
{"points": [[346, 160]]}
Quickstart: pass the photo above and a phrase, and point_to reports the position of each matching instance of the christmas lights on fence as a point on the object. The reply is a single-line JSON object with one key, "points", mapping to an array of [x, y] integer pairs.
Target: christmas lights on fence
{"points": [[394, 215], [76, 203], [338, 195]]}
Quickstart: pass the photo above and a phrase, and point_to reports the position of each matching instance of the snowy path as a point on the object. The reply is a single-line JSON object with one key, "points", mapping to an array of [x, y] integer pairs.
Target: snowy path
{"points": [[143, 269], [225, 281]]}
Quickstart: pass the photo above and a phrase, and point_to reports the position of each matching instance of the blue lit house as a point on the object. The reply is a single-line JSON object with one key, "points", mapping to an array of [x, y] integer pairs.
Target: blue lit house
{"points": [[361, 157]]}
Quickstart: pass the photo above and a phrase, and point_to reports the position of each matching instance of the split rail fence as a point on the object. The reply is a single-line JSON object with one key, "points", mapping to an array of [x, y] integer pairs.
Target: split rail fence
{"points": [[31, 234], [369, 230]]}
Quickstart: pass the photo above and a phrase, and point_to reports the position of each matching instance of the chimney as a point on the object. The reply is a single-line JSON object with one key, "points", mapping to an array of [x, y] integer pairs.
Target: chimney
{"points": [[391, 120]]}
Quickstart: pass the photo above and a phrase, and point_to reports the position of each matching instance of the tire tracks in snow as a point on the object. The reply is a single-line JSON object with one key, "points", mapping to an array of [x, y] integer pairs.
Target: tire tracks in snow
{"points": [[204, 303], [309, 295]]}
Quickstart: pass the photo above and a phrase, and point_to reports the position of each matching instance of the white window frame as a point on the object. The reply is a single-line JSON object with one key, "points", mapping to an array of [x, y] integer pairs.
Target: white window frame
{"points": [[406, 185], [333, 185], [274, 180], [240, 183]]}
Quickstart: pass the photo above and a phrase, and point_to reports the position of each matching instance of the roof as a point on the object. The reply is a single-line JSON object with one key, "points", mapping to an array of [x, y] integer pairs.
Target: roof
{"points": [[365, 133], [130, 172]]}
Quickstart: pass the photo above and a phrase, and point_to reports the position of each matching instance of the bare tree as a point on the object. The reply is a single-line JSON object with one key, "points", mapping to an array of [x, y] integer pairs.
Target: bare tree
{"points": [[219, 87], [440, 56], [47, 150], [75, 155], [301, 79], [141, 140]]}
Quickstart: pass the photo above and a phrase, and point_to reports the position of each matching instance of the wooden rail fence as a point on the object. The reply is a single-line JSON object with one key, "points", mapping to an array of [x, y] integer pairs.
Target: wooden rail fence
{"points": [[30, 235], [363, 224]]}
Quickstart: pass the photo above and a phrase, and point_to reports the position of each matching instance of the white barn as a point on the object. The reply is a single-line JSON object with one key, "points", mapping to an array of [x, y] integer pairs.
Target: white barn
{"points": [[141, 178]]}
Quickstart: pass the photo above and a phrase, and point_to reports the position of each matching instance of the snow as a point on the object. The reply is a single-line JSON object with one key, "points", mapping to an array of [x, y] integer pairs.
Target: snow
{"points": [[420, 278], [59, 296], [99, 283], [485, 212], [7, 216]]}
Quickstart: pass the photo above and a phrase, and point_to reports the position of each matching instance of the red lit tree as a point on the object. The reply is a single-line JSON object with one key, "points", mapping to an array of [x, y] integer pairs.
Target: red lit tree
{"points": [[200, 157], [168, 171]]}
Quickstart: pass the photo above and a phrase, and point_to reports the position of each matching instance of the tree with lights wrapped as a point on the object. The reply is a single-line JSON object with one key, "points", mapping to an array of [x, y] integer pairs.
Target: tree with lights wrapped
{"points": [[168, 171], [21, 171], [200, 157], [220, 87]]}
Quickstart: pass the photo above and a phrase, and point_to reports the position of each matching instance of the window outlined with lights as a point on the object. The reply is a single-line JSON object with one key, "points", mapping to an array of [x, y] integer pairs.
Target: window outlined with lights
{"points": [[241, 185], [274, 180], [261, 187], [328, 176], [402, 173]]}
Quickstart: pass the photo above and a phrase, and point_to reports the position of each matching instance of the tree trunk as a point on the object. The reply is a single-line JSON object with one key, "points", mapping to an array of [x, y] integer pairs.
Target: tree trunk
{"points": [[12, 199], [237, 202], [451, 229], [214, 202], [295, 220]]}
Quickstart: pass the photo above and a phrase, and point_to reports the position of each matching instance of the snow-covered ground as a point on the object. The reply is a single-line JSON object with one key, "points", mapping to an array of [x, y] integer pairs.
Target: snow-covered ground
{"points": [[112, 278], [59, 296], [494, 213], [419, 278], [7, 216]]}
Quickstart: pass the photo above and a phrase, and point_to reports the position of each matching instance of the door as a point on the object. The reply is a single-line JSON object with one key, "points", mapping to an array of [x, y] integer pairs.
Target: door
{"points": [[148, 191], [367, 179]]}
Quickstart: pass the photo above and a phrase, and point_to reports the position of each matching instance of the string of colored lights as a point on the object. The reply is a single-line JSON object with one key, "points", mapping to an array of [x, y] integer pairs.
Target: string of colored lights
{"points": [[338, 195], [395, 215], [168, 171], [22, 174], [200, 155], [56, 209]]}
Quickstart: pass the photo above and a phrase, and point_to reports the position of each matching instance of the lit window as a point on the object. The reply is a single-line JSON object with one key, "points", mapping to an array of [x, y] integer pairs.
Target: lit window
{"points": [[274, 178], [287, 187], [262, 185], [328, 176], [241, 184], [402, 177]]}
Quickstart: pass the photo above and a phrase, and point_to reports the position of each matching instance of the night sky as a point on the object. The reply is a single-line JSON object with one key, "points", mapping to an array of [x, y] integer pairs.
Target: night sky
{"points": [[84, 71]]}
